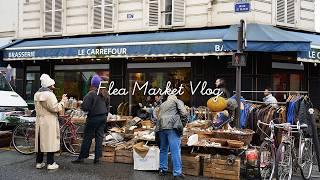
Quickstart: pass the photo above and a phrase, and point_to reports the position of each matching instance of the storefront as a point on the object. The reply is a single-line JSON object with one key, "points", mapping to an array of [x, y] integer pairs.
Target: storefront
{"points": [[181, 57]]}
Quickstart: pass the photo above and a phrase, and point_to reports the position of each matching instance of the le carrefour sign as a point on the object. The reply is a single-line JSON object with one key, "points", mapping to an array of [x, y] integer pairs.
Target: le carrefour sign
{"points": [[309, 56]]}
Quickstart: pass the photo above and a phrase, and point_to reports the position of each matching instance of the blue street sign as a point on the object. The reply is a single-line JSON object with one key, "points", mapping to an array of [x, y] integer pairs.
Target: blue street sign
{"points": [[242, 7]]}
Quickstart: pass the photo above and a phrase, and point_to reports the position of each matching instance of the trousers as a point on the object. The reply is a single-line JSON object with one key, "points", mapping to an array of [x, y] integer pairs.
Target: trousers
{"points": [[170, 139], [94, 128]]}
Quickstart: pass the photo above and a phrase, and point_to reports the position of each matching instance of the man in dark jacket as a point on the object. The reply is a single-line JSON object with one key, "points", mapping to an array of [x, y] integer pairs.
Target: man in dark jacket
{"points": [[97, 107]]}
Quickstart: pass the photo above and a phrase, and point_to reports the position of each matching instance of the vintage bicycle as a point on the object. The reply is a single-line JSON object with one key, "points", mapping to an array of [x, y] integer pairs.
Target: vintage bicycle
{"points": [[23, 138], [294, 152], [267, 152]]}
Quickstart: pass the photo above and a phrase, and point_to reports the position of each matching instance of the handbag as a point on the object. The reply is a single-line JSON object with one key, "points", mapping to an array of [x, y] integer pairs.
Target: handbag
{"points": [[181, 122]]}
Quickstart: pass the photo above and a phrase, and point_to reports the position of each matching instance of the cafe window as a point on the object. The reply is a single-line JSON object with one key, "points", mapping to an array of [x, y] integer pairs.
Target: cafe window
{"points": [[75, 80], [156, 78]]}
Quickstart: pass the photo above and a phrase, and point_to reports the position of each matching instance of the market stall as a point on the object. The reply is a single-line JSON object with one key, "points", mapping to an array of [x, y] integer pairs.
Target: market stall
{"points": [[210, 146]]}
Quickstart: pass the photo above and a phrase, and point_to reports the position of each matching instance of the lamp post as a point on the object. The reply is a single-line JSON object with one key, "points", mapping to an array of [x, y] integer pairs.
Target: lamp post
{"points": [[239, 60]]}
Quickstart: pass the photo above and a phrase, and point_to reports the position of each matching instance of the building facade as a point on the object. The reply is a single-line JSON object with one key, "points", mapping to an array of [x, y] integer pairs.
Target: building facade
{"points": [[81, 17], [55, 23]]}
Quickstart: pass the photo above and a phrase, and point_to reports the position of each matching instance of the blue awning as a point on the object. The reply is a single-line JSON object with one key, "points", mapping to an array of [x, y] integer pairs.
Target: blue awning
{"points": [[220, 41], [181, 43], [5, 41], [266, 38], [313, 55]]}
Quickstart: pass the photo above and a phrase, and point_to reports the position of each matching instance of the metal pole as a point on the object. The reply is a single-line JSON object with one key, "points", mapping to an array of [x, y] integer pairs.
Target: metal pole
{"points": [[238, 72]]}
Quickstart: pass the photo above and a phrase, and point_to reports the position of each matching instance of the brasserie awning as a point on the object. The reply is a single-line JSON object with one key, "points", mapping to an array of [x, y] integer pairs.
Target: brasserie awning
{"points": [[181, 43], [218, 41]]}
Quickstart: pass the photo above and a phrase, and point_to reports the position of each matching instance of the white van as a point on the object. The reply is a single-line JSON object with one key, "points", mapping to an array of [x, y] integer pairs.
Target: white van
{"points": [[9, 99]]}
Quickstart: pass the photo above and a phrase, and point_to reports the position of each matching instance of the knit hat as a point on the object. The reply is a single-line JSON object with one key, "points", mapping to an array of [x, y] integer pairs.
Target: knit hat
{"points": [[95, 81], [46, 81]]}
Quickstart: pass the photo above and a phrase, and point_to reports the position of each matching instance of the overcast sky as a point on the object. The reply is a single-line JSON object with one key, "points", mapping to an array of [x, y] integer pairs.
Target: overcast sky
{"points": [[318, 15]]}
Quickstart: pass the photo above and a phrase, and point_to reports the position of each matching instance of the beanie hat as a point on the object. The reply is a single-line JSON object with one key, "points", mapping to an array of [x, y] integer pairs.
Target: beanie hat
{"points": [[95, 81], [46, 81]]}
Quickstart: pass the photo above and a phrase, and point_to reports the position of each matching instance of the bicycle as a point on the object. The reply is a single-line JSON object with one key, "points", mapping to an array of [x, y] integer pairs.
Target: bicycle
{"points": [[266, 156], [23, 138], [287, 157]]}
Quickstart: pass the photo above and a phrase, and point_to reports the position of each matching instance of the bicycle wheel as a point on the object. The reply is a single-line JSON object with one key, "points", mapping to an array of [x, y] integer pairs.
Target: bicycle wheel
{"points": [[23, 138], [266, 160], [72, 138], [306, 159], [284, 162]]}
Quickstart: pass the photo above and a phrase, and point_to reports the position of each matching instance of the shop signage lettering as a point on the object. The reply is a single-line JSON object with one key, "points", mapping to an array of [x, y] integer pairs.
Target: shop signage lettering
{"points": [[22, 54], [314, 54], [218, 48], [102, 51], [168, 90]]}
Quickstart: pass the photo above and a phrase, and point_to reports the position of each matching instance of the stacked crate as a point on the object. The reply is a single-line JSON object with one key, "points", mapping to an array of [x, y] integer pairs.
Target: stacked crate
{"points": [[218, 167]]}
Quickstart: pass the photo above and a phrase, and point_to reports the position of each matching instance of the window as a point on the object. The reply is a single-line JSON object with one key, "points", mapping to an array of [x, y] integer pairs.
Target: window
{"points": [[168, 12], [75, 83], [174, 12], [53, 16], [4, 85], [102, 15], [286, 12], [156, 78], [32, 85]]}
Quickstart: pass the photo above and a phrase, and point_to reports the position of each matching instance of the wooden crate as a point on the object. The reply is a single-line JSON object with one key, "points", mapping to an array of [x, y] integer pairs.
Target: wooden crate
{"points": [[124, 156], [5, 138], [217, 167], [190, 164], [108, 154]]}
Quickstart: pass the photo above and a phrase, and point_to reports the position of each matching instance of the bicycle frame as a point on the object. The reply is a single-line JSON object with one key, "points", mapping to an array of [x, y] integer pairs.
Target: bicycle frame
{"points": [[290, 139]]}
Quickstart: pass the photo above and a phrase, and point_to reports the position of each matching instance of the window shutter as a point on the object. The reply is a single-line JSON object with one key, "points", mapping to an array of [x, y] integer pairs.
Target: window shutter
{"points": [[281, 11], [97, 15], [58, 16], [48, 16], [178, 12], [154, 13], [108, 14], [291, 11], [286, 12]]}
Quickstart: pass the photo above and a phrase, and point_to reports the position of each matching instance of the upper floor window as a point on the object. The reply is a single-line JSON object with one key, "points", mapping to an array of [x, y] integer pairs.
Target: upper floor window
{"points": [[102, 14], [174, 12], [53, 16], [168, 12], [286, 12]]}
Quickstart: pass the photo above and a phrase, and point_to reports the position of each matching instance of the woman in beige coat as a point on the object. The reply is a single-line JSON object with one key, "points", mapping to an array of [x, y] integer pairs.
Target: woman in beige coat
{"points": [[47, 124]]}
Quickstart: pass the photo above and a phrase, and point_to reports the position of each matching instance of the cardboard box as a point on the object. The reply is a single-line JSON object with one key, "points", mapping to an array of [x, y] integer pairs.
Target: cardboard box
{"points": [[149, 162]]}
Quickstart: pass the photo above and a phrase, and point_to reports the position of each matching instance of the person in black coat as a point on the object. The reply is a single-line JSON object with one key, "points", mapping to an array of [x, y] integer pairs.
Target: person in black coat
{"points": [[97, 107]]}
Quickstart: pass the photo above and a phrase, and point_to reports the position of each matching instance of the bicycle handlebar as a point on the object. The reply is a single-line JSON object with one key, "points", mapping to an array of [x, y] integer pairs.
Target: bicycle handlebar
{"points": [[272, 124], [284, 125]]}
